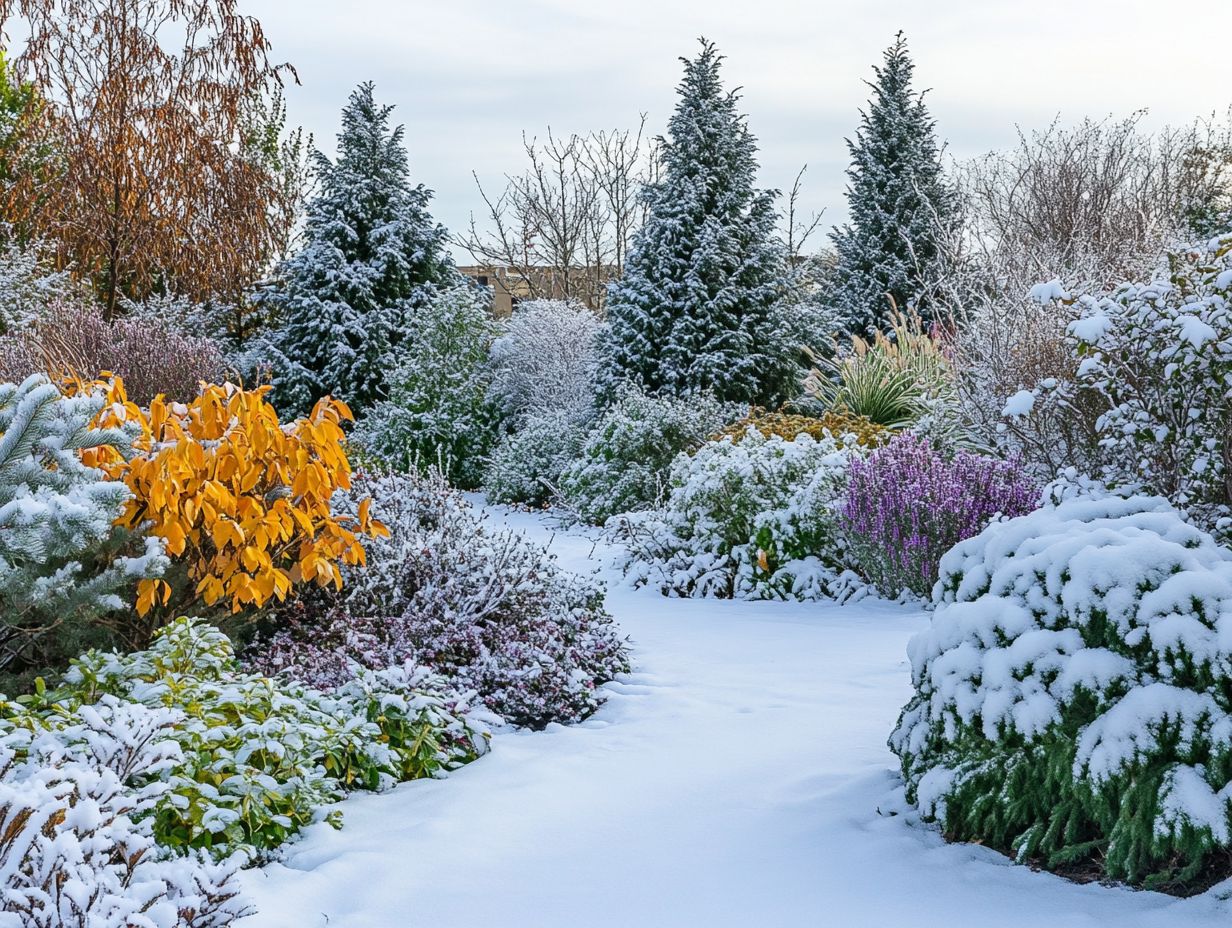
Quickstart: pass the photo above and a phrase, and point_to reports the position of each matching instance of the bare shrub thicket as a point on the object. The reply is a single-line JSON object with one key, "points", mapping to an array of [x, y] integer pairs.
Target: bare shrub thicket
{"points": [[1086, 205], [562, 228], [73, 338]]}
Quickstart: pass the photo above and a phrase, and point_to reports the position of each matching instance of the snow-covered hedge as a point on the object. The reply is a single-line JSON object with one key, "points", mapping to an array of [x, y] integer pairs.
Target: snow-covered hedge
{"points": [[1072, 705], [255, 758], [485, 607], [77, 843], [752, 519], [624, 463]]}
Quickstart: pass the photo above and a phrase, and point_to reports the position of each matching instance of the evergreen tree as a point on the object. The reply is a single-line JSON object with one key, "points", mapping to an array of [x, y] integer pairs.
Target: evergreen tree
{"points": [[372, 255], [63, 564], [896, 197], [700, 306]]}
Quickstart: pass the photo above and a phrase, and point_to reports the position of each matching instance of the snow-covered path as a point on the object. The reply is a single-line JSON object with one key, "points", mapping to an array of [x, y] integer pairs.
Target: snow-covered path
{"points": [[738, 778]]}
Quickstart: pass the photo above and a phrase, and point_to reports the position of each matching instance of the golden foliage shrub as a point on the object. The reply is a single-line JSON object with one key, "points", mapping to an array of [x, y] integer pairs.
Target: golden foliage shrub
{"points": [[788, 425], [242, 500]]}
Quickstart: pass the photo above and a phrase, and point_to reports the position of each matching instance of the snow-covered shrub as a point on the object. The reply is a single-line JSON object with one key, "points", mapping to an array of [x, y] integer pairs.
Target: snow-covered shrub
{"points": [[77, 843], [437, 413], [626, 456], [907, 504], [74, 338], [258, 757], [545, 359], [63, 563], [526, 465], [484, 607], [29, 284], [1071, 699], [753, 519], [1156, 361], [543, 384]]}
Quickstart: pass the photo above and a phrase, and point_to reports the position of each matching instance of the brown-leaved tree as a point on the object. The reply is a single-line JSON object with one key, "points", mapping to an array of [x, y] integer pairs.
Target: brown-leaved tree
{"points": [[147, 103]]}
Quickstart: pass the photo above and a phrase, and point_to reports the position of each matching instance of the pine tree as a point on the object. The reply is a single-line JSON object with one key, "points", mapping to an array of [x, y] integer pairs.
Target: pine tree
{"points": [[896, 198], [700, 306], [372, 255]]}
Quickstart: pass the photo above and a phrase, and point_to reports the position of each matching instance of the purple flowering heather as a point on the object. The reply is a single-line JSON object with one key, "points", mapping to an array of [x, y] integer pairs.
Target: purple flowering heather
{"points": [[907, 505]]}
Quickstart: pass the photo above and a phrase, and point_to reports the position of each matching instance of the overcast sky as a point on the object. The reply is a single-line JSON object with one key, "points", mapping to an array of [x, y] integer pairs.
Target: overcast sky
{"points": [[468, 76]]}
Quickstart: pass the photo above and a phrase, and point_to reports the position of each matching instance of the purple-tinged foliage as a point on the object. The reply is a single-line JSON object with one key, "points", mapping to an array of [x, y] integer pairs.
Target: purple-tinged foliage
{"points": [[485, 607], [907, 505]]}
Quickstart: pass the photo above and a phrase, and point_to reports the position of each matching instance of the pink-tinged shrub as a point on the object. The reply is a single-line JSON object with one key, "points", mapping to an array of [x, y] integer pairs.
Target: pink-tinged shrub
{"points": [[485, 607], [74, 338], [907, 505]]}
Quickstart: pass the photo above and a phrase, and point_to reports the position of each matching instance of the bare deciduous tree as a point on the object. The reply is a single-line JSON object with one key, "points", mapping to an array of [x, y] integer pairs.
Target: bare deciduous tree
{"points": [[145, 103], [798, 228], [562, 228], [1090, 205]]}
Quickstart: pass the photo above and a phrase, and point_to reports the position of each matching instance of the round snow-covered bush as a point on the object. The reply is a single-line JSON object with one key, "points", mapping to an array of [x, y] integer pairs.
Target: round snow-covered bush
{"points": [[545, 359], [623, 464], [526, 465], [1072, 699], [484, 607], [752, 519]]}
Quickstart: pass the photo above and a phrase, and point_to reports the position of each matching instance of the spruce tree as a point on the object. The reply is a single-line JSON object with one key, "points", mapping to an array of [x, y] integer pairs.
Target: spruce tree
{"points": [[64, 565], [699, 308], [372, 255], [896, 197]]}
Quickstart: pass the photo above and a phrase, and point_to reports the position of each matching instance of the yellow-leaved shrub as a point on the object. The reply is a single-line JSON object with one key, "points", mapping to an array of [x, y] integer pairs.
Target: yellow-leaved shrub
{"points": [[788, 425], [241, 499]]}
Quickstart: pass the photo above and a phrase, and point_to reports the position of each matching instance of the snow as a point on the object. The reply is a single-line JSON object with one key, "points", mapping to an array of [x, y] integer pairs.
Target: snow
{"points": [[739, 777], [1049, 291], [1195, 331], [1020, 404], [1090, 329]]}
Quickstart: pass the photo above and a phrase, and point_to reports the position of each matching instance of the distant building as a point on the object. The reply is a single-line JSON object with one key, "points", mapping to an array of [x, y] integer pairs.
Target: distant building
{"points": [[512, 285]]}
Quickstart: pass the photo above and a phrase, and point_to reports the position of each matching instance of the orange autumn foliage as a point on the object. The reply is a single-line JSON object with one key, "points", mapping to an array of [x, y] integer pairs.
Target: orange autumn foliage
{"points": [[242, 498]]}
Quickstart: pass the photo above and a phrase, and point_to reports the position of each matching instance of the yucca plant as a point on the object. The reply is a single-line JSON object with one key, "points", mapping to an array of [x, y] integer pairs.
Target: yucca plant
{"points": [[889, 379]]}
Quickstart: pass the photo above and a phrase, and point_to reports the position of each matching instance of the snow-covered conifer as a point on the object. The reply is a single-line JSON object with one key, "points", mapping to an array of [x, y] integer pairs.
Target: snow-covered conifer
{"points": [[700, 306], [29, 283], [59, 565], [371, 256], [897, 199]]}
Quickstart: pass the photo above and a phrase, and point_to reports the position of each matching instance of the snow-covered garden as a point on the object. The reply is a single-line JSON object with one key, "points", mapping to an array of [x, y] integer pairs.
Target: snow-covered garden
{"points": [[718, 583]]}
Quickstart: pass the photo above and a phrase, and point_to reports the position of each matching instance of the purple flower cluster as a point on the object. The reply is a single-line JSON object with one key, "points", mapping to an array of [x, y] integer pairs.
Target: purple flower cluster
{"points": [[907, 505]]}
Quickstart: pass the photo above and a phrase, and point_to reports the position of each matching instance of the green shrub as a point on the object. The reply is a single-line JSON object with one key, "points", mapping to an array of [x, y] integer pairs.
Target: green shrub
{"points": [[262, 755], [894, 379], [438, 413], [1072, 705], [753, 519], [626, 456]]}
